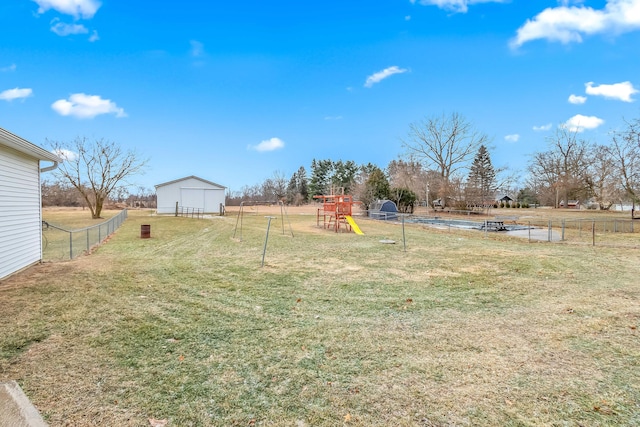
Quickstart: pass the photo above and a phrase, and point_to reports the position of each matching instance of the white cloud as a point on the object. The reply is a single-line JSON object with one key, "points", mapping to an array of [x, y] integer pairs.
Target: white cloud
{"points": [[542, 128], [63, 30], [16, 93], [268, 145], [512, 138], [580, 123], [456, 6], [577, 99], [85, 106], [620, 91], [11, 67], [94, 36], [197, 49], [568, 24], [66, 155], [76, 8], [381, 75]]}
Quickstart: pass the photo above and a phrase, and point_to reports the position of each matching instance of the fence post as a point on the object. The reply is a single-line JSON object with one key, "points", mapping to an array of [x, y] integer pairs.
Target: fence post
{"points": [[529, 231], [266, 239], [87, 240], [549, 231], [71, 245], [563, 226], [593, 233], [580, 228], [404, 238]]}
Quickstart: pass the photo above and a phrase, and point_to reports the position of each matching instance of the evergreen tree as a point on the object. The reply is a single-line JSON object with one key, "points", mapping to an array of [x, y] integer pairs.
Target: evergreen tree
{"points": [[297, 190], [344, 175], [302, 183], [321, 173], [482, 177], [375, 187], [405, 199]]}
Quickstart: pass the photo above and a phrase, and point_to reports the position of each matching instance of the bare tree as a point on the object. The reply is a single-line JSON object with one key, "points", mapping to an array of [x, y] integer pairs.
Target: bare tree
{"points": [[95, 168], [445, 144], [626, 154], [275, 188], [409, 175], [59, 193], [601, 178], [563, 168]]}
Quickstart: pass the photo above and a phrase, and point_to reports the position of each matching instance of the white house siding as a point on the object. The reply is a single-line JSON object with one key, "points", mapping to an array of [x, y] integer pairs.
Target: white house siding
{"points": [[20, 214], [190, 192]]}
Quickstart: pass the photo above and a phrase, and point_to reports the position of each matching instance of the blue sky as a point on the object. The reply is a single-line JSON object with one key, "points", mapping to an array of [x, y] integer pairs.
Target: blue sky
{"points": [[234, 91]]}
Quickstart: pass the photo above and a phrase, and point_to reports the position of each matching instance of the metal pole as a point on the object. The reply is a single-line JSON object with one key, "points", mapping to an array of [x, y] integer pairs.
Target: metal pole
{"points": [[266, 239], [404, 240], [529, 231], [593, 233], [549, 234], [427, 199], [563, 226]]}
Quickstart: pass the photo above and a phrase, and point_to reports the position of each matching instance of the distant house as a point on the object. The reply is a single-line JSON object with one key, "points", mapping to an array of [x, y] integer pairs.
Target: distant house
{"points": [[190, 192], [20, 202], [505, 199], [573, 204]]}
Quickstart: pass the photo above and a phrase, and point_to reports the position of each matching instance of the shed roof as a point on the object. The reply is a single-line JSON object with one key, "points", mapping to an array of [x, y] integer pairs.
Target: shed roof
{"points": [[22, 145], [190, 177]]}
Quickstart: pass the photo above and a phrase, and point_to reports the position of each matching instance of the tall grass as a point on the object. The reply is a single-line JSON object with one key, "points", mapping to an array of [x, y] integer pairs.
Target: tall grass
{"points": [[334, 329]]}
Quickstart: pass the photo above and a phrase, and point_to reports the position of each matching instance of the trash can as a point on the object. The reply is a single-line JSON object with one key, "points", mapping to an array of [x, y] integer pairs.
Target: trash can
{"points": [[145, 231]]}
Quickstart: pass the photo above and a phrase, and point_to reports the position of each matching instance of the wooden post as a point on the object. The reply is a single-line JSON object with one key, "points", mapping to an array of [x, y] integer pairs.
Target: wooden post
{"points": [[176, 208]]}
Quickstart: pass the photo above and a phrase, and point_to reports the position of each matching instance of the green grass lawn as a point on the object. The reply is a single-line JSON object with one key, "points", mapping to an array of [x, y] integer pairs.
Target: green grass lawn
{"points": [[335, 329]]}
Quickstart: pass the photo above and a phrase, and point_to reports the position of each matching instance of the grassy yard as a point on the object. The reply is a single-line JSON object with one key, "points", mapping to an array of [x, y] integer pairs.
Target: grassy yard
{"points": [[335, 329]]}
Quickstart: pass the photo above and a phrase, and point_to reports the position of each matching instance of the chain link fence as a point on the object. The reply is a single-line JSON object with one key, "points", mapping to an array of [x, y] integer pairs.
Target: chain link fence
{"points": [[605, 232], [59, 244], [613, 232]]}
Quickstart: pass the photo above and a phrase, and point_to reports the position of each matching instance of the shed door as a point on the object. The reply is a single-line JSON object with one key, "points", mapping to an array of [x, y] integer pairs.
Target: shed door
{"points": [[192, 198]]}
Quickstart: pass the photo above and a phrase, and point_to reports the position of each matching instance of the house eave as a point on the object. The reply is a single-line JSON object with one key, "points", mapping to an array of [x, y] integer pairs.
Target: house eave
{"points": [[25, 147]]}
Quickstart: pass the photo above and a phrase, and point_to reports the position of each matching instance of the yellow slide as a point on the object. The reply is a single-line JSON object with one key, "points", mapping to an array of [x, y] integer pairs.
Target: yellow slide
{"points": [[353, 225]]}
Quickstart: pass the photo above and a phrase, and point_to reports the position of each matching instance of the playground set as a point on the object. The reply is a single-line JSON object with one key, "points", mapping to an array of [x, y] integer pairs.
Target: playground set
{"points": [[254, 206], [336, 213]]}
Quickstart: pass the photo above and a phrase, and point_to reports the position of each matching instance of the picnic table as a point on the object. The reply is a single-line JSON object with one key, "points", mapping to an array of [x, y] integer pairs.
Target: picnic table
{"points": [[494, 225]]}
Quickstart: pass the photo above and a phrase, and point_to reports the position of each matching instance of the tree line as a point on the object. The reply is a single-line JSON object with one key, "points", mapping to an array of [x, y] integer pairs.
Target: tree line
{"points": [[572, 168], [446, 163]]}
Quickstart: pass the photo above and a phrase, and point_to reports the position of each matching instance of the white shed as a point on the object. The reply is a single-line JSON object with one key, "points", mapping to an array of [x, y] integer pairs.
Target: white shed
{"points": [[190, 193], [20, 202]]}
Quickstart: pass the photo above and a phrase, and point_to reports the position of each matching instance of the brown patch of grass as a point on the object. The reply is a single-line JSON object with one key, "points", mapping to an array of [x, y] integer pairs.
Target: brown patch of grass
{"points": [[458, 330]]}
